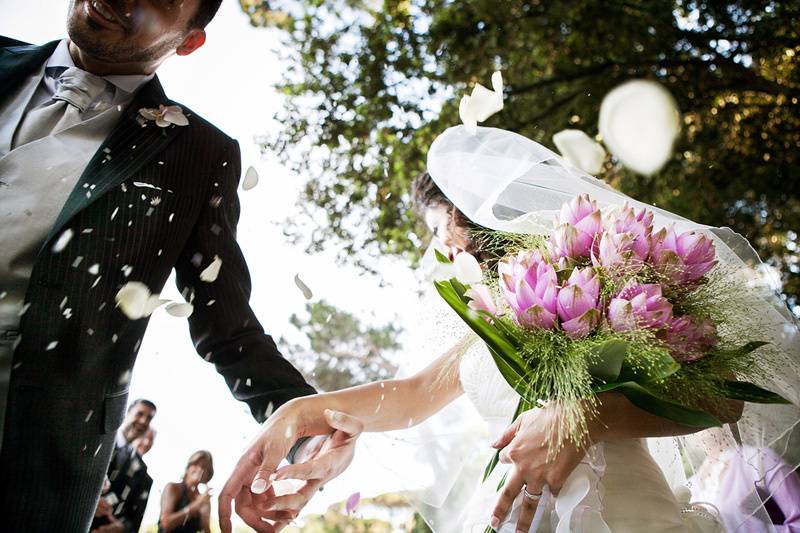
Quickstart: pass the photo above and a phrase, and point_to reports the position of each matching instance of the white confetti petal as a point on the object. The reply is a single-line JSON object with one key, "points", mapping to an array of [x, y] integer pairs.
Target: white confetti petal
{"points": [[62, 241], [51, 346], [467, 269], [209, 275], [580, 150], [250, 179], [482, 103], [133, 299], [180, 310], [639, 122], [303, 287], [153, 303], [94, 269]]}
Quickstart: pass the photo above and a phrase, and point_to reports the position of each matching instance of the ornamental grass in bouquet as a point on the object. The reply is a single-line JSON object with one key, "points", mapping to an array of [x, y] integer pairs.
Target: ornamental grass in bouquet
{"points": [[608, 302]]}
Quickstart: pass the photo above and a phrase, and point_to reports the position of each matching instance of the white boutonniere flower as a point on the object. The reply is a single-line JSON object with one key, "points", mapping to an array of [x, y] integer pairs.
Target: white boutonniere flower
{"points": [[481, 104], [165, 115]]}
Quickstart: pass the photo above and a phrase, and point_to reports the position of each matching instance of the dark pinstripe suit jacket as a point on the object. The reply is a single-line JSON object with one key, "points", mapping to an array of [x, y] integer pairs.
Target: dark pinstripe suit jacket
{"points": [[66, 402]]}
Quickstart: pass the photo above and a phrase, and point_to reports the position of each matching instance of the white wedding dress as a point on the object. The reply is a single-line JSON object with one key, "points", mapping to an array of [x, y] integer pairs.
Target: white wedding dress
{"points": [[618, 488]]}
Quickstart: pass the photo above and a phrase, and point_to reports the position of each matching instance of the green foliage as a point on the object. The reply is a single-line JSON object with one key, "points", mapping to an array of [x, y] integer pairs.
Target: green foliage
{"points": [[369, 85], [342, 351]]}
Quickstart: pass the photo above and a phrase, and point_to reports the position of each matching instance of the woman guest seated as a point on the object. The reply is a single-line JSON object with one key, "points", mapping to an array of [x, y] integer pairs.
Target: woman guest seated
{"points": [[184, 508]]}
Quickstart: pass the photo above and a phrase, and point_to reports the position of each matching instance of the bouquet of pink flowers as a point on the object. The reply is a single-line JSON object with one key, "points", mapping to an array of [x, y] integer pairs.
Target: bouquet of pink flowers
{"points": [[608, 302]]}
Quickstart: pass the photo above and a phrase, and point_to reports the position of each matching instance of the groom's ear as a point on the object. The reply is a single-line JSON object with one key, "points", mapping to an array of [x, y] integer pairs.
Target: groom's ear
{"points": [[194, 40]]}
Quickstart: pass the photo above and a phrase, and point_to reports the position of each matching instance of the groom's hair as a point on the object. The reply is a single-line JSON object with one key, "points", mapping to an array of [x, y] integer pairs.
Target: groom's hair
{"points": [[205, 12]]}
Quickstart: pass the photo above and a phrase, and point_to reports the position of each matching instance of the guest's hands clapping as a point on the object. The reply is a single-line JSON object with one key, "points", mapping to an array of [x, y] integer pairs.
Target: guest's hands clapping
{"points": [[524, 445], [250, 484]]}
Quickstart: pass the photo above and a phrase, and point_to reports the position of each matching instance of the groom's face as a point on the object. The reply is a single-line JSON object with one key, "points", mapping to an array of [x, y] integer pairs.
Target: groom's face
{"points": [[130, 31]]}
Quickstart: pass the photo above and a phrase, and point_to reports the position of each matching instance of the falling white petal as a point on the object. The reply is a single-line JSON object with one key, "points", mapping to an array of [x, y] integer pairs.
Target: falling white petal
{"points": [[250, 179], [580, 150], [467, 115], [303, 287], [482, 103], [467, 269], [639, 122], [63, 241], [180, 310], [209, 275], [153, 303], [132, 299]]}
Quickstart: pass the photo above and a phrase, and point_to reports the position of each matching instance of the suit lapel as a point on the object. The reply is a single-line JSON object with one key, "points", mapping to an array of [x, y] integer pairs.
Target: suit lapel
{"points": [[17, 62], [131, 145]]}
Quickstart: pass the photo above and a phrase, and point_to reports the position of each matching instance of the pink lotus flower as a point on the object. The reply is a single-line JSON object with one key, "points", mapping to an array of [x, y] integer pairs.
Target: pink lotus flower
{"points": [[639, 306], [576, 227], [578, 303], [682, 258], [615, 251], [530, 287], [639, 224], [689, 338], [481, 299]]}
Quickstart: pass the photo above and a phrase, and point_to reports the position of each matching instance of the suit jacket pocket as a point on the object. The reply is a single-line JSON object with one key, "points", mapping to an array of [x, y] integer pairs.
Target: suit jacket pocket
{"points": [[114, 411]]}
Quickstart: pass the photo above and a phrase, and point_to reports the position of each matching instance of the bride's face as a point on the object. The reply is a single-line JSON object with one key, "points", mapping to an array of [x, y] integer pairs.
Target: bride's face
{"points": [[453, 236]]}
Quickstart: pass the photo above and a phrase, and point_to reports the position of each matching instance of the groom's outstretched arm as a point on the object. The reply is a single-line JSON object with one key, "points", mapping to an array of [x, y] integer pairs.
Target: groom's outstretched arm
{"points": [[223, 327]]}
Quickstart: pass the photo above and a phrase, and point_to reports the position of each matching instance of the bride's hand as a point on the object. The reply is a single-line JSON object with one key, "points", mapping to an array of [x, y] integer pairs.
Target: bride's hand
{"points": [[524, 445]]}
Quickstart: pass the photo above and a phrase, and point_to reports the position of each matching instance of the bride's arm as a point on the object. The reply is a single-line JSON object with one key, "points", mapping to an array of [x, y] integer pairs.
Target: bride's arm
{"points": [[618, 418], [383, 405], [380, 406]]}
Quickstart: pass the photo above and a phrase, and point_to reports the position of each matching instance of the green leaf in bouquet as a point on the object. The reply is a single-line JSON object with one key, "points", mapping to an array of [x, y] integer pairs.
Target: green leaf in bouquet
{"points": [[646, 400], [514, 370], [453, 293], [740, 351], [440, 257], [460, 289], [749, 392], [522, 406], [657, 366], [605, 363]]}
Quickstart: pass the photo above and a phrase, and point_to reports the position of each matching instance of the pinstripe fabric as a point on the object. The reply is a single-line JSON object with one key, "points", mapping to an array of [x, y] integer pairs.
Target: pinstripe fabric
{"points": [[166, 198]]}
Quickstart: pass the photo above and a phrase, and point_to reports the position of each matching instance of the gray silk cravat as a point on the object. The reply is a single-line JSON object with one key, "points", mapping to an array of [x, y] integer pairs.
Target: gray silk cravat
{"points": [[77, 89]]}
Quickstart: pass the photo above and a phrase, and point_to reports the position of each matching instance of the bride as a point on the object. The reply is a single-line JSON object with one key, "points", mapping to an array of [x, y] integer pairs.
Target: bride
{"points": [[611, 482]]}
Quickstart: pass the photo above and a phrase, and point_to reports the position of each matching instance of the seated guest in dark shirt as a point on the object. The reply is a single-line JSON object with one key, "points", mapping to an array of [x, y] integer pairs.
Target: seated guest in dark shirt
{"points": [[185, 508]]}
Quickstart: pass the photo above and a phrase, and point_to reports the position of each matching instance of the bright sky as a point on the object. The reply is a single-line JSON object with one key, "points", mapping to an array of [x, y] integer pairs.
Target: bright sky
{"points": [[228, 82]]}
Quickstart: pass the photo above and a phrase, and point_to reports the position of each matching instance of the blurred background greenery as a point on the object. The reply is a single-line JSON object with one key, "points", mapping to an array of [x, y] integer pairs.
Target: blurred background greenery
{"points": [[370, 83]]}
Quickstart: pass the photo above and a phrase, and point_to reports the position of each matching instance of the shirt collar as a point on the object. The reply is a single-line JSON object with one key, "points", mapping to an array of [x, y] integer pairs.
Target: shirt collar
{"points": [[120, 440], [127, 83]]}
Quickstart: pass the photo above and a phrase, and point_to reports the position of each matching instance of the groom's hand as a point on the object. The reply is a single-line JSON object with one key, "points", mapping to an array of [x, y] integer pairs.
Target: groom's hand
{"points": [[250, 483], [332, 459]]}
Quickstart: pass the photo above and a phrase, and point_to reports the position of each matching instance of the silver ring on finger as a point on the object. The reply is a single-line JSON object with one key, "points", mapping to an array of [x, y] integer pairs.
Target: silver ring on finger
{"points": [[532, 497]]}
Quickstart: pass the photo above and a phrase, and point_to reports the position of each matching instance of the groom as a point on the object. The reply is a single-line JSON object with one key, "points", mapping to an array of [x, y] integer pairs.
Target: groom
{"points": [[95, 194]]}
